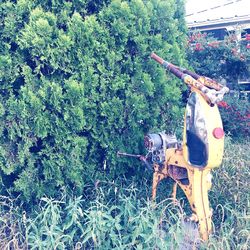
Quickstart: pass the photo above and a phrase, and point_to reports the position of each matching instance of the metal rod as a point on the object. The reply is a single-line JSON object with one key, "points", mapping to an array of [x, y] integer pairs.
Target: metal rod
{"points": [[129, 155]]}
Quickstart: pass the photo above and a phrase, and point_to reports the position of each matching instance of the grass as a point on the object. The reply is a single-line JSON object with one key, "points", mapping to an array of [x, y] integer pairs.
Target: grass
{"points": [[120, 215]]}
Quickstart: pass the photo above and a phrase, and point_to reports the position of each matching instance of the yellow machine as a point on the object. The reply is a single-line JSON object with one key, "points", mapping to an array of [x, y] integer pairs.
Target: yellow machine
{"points": [[189, 163]]}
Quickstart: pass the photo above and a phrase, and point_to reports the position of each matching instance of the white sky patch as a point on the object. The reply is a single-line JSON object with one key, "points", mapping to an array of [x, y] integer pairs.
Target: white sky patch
{"points": [[198, 10]]}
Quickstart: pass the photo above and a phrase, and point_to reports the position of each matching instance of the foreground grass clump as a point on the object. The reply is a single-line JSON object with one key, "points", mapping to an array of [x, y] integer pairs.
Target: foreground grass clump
{"points": [[126, 222], [119, 215]]}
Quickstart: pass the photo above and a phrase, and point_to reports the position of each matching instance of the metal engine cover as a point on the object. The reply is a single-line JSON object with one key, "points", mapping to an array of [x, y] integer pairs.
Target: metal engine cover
{"points": [[157, 144]]}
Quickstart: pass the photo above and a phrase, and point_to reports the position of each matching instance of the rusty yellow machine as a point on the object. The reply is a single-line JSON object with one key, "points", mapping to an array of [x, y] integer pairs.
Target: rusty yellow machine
{"points": [[189, 163]]}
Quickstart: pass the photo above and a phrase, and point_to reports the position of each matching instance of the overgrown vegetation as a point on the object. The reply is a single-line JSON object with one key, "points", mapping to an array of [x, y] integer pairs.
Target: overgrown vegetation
{"points": [[77, 85], [119, 215]]}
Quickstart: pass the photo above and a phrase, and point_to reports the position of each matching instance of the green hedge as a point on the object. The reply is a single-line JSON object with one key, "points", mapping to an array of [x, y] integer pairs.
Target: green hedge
{"points": [[77, 84]]}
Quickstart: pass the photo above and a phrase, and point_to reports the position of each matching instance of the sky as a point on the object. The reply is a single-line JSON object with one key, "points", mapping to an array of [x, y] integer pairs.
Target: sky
{"points": [[229, 8], [197, 5]]}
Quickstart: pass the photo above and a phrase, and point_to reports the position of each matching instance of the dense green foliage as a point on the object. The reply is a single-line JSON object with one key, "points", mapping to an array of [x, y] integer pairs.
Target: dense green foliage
{"points": [[77, 85], [118, 215]]}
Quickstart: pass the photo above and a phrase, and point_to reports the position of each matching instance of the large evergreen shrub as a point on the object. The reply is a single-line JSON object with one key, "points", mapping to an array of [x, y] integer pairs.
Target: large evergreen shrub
{"points": [[77, 85]]}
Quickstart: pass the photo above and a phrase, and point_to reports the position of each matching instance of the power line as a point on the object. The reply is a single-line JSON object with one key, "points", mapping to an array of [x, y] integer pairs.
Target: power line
{"points": [[214, 7]]}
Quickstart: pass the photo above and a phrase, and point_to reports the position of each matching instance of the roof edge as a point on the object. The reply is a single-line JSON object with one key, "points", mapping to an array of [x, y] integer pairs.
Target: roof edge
{"points": [[219, 23]]}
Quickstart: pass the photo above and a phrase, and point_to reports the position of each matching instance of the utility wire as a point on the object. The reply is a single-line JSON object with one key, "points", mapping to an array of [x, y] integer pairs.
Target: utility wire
{"points": [[215, 7]]}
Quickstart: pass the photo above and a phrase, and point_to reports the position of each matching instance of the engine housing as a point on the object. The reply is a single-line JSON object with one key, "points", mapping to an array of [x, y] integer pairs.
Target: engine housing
{"points": [[157, 144]]}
